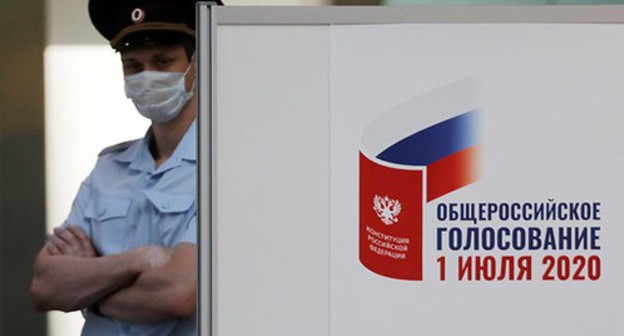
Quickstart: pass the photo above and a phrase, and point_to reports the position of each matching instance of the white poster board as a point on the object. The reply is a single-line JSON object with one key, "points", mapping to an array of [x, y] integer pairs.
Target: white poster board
{"points": [[412, 171]]}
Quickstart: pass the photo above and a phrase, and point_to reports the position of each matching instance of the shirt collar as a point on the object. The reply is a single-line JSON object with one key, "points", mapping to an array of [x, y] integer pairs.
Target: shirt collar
{"points": [[140, 158], [186, 150]]}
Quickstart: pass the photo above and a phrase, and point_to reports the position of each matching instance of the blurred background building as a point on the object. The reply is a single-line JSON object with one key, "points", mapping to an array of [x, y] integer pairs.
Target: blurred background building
{"points": [[48, 52]]}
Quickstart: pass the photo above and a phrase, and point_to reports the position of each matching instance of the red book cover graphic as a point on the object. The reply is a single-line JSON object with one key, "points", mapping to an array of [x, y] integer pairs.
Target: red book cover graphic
{"points": [[411, 155]]}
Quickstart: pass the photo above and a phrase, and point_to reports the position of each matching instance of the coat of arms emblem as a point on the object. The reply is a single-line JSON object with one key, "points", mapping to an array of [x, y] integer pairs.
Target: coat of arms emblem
{"points": [[387, 209]]}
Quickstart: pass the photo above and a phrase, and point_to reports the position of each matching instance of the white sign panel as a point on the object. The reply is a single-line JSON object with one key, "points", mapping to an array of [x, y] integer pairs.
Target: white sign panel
{"points": [[431, 178], [476, 179]]}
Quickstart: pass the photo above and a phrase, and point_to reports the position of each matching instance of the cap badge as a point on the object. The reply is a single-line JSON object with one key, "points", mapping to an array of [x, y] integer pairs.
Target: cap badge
{"points": [[137, 15]]}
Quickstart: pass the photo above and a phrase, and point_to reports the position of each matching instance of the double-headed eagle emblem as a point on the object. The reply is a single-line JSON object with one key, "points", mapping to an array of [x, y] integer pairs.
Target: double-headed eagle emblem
{"points": [[387, 209]]}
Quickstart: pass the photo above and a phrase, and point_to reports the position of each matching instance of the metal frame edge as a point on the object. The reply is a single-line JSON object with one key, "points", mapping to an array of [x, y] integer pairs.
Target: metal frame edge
{"points": [[205, 56]]}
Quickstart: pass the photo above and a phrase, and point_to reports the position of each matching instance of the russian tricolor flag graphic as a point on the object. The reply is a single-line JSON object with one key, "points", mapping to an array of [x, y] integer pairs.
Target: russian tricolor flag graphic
{"points": [[410, 155]]}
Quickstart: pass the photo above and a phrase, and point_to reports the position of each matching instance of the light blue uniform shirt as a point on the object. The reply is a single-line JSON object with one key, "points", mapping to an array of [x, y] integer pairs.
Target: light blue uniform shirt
{"points": [[126, 203]]}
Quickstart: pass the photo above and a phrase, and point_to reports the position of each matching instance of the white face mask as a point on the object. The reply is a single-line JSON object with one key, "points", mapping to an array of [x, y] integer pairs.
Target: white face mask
{"points": [[158, 95]]}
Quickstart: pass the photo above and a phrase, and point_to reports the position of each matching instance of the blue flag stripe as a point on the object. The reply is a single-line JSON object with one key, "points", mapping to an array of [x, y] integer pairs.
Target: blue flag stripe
{"points": [[435, 142]]}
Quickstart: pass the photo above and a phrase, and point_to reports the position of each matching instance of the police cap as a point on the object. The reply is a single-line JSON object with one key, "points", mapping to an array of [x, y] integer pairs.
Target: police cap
{"points": [[129, 23]]}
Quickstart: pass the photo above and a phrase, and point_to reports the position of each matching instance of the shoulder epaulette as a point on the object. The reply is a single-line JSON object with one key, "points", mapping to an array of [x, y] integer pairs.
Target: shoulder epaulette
{"points": [[118, 147]]}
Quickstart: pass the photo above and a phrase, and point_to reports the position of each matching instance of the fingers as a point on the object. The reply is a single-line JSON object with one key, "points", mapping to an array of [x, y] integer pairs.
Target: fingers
{"points": [[157, 256], [160, 257], [153, 256], [50, 247], [72, 241], [85, 246], [58, 242]]}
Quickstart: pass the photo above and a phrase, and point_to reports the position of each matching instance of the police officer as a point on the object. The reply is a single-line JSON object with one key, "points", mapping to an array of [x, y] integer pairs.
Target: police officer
{"points": [[126, 255]]}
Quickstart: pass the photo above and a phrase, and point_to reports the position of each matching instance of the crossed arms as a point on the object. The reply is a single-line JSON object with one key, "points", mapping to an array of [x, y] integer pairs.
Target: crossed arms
{"points": [[147, 284]]}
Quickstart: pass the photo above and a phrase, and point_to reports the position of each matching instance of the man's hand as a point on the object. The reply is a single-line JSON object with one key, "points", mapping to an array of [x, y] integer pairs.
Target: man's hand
{"points": [[69, 274], [159, 294], [152, 256], [70, 241]]}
